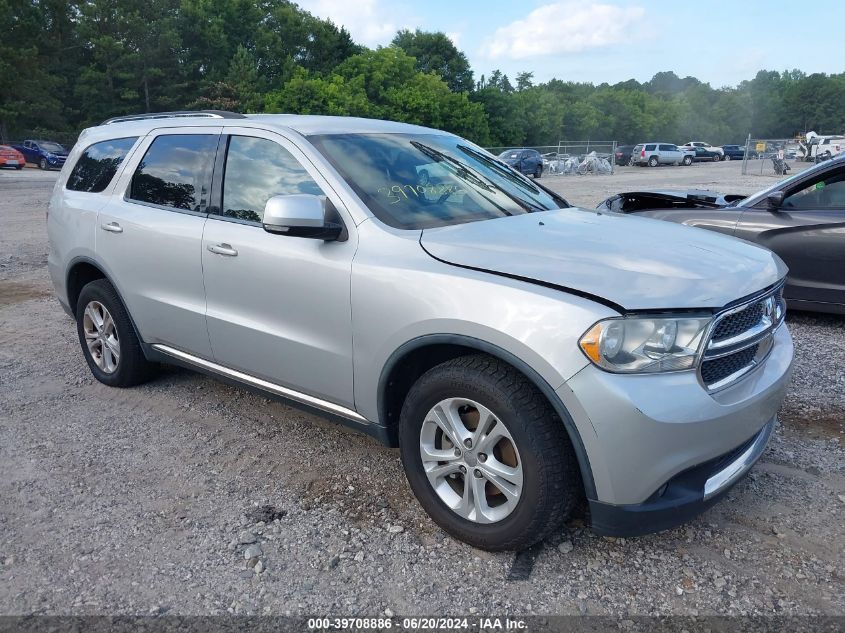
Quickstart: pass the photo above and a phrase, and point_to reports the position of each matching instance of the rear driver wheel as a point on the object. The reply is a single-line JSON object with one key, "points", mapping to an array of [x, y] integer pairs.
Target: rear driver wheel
{"points": [[108, 338], [486, 456], [652, 162]]}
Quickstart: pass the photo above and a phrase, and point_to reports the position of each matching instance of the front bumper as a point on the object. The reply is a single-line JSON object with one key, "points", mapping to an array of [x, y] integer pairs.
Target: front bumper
{"points": [[646, 436], [684, 496]]}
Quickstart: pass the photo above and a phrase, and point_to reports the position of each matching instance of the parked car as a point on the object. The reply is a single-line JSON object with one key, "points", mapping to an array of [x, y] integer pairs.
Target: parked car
{"points": [[654, 154], [521, 353], [703, 145], [10, 157], [623, 154], [45, 154], [802, 219], [702, 155], [525, 161], [733, 152]]}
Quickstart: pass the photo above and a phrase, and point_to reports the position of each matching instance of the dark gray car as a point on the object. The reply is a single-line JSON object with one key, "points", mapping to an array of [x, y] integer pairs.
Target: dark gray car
{"points": [[802, 219]]}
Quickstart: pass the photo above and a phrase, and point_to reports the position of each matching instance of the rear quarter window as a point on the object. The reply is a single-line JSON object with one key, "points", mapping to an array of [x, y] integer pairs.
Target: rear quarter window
{"points": [[649, 148], [98, 164]]}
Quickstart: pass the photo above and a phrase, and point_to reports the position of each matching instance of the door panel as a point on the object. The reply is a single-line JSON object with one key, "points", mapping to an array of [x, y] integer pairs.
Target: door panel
{"points": [[279, 308], [808, 233], [153, 249]]}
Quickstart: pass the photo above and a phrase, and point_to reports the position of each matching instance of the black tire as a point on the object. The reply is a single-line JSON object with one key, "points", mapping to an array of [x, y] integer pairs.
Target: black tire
{"points": [[687, 161], [42, 164], [551, 479], [727, 157], [538, 173], [717, 158], [132, 367], [652, 162], [18, 167]]}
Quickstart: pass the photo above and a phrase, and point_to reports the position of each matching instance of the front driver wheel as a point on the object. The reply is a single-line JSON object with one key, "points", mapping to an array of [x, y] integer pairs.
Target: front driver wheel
{"points": [[538, 173], [687, 160], [108, 338], [717, 158], [486, 456], [42, 163], [727, 157]]}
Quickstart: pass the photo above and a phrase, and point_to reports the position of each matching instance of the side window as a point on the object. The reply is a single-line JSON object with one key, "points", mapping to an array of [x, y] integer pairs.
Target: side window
{"points": [[825, 193], [173, 171], [649, 148], [98, 165], [256, 170], [665, 148]]}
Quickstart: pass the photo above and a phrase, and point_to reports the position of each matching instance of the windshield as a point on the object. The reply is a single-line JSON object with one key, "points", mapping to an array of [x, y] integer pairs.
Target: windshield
{"points": [[417, 181], [511, 154], [49, 146]]}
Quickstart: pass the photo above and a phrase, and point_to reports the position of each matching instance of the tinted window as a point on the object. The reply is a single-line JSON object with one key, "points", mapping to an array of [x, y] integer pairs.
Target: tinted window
{"points": [[98, 165], [824, 193], [256, 170], [173, 171], [666, 148], [413, 181], [649, 148]]}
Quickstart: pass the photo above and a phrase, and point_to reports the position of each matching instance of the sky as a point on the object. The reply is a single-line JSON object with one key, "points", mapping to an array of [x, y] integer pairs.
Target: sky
{"points": [[718, 41]]}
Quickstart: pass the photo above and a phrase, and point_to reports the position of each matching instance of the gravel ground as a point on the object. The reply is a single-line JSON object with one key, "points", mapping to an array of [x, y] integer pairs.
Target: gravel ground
{"points": [[187, 496]]}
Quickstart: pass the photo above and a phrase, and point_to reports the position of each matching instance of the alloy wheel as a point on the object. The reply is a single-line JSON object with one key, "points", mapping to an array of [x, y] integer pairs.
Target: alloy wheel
{"points": [[471, 460], [101, 337]]}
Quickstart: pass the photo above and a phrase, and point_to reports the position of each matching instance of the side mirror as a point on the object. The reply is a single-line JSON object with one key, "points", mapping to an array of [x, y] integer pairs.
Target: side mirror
{"points": [[775, 200], [300, 215]]}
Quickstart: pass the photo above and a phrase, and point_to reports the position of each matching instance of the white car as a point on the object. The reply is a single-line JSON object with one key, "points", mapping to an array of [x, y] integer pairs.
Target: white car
{"points": [[711, 148]]}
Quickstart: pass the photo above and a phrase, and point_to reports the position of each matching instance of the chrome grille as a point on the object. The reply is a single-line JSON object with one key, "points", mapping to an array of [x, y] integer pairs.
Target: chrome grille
{"points": [[738, 322], [741, 338]]}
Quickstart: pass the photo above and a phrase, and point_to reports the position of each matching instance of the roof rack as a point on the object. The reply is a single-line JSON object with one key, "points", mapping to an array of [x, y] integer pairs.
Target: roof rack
{"points": [[211, 114]]}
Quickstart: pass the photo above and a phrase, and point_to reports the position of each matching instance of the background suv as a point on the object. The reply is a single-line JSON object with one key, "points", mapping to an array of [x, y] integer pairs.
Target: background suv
{"points": [[522, 354], [654, 154]]}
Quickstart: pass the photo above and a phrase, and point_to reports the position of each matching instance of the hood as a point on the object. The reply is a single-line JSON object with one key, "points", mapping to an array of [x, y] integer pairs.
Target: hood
{"points": [[634, 263]]}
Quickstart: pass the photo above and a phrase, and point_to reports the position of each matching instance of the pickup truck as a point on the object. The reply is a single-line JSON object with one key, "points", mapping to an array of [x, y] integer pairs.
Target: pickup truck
{"points": [[45, 154]]}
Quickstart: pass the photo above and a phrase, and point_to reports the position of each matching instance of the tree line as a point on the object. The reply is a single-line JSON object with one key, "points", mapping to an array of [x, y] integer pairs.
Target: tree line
{"points": [[67, 65]]}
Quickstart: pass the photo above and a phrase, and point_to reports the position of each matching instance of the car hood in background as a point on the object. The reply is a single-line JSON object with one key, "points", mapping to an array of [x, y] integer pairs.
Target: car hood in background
{"points": [[635, 263]]}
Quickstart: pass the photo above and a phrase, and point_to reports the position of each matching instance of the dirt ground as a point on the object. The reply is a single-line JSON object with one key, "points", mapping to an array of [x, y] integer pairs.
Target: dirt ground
{"points": [[147, 500]]}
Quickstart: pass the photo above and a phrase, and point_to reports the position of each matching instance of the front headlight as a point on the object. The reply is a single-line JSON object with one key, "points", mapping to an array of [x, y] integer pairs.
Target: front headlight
{"points": [[645, 344]]}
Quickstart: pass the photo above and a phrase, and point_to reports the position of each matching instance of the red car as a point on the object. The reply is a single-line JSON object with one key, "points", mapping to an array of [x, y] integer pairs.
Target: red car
{"points": [[10, 157]]}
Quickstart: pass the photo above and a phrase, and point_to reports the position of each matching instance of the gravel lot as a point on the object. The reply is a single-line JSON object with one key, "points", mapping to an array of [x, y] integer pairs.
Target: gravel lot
{"points": [[151, 500]]}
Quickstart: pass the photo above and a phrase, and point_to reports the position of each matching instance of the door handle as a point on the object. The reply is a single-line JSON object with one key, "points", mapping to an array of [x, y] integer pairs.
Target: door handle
{"points": [[112, 227], [223, 249]]}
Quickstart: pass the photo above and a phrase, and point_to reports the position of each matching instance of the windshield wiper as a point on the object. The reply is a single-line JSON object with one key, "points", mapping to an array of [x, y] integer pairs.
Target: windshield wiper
{"points": [[462, 172], [519, 181]]}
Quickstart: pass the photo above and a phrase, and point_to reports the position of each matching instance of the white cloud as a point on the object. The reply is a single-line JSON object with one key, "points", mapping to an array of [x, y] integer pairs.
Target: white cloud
{"points": [[455, 36], [563, 27], [364, 19]]}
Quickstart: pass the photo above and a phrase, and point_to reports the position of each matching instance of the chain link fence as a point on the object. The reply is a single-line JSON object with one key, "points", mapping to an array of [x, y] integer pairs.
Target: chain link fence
{"points": [[569, 158], [772, 156]]}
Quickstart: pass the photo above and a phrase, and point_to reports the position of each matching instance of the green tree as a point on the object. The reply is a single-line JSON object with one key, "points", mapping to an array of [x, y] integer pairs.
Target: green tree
{"points": [[436, 53]]}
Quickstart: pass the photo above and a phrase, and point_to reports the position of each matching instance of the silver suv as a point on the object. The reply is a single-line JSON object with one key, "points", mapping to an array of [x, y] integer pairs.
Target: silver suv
{"points": [[520, 352], [654, 154]]}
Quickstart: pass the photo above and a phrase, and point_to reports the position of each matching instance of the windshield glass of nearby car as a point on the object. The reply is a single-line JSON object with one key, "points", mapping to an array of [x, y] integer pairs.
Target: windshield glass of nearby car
{"points": [[414, 181], [49, 146]]}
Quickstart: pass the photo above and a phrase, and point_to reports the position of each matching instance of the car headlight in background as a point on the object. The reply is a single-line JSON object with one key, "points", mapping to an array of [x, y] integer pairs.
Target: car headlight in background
{"points": [[645, 344]]}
